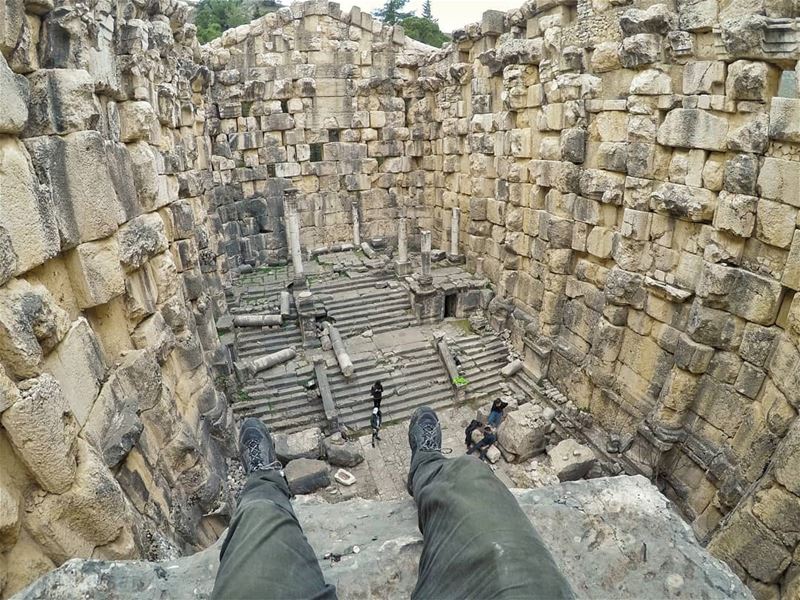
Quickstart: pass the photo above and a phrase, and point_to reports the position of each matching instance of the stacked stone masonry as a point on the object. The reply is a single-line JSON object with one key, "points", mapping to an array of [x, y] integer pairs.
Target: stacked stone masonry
{"points": [[112, 434], [626, 174]]}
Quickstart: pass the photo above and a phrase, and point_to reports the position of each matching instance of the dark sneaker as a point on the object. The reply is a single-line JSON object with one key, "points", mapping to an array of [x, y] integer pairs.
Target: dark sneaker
{"points": [[256, 448], [424, 431]]}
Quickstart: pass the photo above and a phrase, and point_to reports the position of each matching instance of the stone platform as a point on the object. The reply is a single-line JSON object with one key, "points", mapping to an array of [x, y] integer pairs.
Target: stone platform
{"points": [[612, 537]]}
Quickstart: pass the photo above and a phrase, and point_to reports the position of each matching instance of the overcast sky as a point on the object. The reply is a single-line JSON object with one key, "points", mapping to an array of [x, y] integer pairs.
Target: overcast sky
{"points": [[451, 14]]}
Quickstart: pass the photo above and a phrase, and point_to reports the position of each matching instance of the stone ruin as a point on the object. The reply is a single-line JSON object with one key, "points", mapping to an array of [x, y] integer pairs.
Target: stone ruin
{"points": [[626, 177]]}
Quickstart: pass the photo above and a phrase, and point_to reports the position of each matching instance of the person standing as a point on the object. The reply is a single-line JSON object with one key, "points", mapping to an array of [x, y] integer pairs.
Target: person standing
{"points": [[377, 394], [375, 422]]}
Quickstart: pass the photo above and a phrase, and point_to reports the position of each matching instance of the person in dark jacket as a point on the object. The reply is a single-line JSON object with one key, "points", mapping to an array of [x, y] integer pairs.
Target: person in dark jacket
{"points": [[375, 422], [483, 446], [377, 394], [496, 414], [474, 424]]}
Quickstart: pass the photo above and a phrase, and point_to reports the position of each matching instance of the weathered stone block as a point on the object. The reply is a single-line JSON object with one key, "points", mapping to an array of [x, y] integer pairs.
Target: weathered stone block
{"points": [[736, 213], [522, 432], [145, 176], [113, 425], [31, 323], [784, 119], [780, 180], [693, 128], [741, 172], [571, 460], [703, 77], [77, 363], [13, 98], [91, 513], [340, 453], [140, 239], [26, 216], [753, 136], [303, 444], [745, 294], [43, 432], [640, 49], [136, 118], [95, 272], [61, 101], [75, 168], [684, 202], [306, 475], [153, 332], [775, 223]]}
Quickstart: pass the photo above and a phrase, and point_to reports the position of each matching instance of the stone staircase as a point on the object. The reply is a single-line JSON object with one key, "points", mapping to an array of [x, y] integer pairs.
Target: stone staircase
{"points": [[357, 305], [481, 358], [416, 379]]}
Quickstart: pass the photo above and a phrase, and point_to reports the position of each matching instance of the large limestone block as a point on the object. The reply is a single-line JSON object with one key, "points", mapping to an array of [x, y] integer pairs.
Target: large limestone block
{"points": [[736, 213], [13, 96], [341, 453], [748, 80], [43, 432], [113, 426], [697, 15], [136, 118], [145, 176], [306, 475], [10, 520], [656, 19], [61, 101], [571, 460], [302, 444], [605, 522], [26, 217], [75, 168], [95, 272], [77, 363], [693, 128], [140, 239], [775, 223], [784, 119], [12, 20], [91, 513], [9, 393], [703, 77], [745, 294], [522, 432], [684, 202], [154, 333], [640, 49], [780, 180], [31, 324]]}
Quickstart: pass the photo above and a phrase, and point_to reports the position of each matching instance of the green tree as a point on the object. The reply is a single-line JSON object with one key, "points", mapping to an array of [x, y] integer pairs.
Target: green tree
{"points": [[213, 17], [427, 13], [392, 12], [425, 31]]}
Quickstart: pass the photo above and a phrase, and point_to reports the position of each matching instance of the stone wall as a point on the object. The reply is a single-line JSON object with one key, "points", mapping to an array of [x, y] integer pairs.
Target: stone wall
{"points": [[627, 174], [630, 178], [111, 431], [309, 96]]}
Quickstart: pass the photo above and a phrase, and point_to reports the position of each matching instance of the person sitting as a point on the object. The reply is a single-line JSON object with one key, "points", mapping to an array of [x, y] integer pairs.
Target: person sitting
{"points": [[485, 443], [476, 540], [496, 413], [474, 424]]}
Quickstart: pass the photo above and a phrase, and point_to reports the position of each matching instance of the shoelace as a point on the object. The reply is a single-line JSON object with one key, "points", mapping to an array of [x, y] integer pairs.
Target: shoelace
{"points": [[430, 435], [257, 461]]}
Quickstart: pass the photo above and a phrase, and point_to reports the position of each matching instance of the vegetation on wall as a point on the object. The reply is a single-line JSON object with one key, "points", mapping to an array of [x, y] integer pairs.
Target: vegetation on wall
{"points": [[213, 17]]}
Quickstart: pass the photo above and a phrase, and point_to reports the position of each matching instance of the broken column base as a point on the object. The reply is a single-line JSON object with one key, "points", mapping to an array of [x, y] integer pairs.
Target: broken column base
{"points": [[457, 259], [427, 302], [536, 357], [402, 269]]}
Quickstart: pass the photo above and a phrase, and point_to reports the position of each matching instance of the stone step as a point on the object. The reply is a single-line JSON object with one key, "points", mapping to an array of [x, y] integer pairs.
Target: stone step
{"points": [[437, 401]]}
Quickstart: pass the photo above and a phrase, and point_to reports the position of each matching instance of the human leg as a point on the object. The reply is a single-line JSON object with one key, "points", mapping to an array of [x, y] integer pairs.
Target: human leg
{"points": [[477, 542], [266, 554]]}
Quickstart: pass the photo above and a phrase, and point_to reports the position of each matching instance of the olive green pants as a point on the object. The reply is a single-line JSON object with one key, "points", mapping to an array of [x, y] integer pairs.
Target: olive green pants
{"points": [[477, 541]]}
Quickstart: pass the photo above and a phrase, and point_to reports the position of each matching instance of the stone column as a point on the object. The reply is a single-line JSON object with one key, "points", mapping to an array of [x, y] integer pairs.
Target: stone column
{"points": [[402, 264], [425, 248], [356, 226], [454, 222], [293, 232]]}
